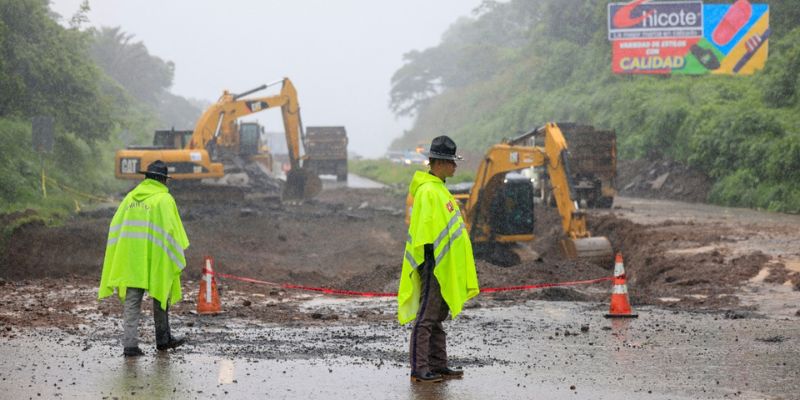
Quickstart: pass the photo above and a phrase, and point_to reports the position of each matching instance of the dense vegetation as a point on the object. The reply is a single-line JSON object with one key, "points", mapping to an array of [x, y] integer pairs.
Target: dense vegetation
{"points": [[100, 88], [521, 63]]}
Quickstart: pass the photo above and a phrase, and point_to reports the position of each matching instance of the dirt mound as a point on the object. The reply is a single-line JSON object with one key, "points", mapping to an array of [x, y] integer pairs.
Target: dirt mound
{"points": [[672, 260], [338, 235], [663, 179], [384, 278], [353, 240], [34, 250]]}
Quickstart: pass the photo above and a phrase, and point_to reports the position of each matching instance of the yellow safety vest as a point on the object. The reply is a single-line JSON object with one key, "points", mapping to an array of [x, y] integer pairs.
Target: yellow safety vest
{"points": [[436, 218], [145, 245]]}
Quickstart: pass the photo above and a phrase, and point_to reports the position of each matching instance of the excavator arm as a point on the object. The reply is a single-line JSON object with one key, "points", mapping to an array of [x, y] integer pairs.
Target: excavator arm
{"points": [[579, 243], [216, 128], [217, 124], [511, 156]]}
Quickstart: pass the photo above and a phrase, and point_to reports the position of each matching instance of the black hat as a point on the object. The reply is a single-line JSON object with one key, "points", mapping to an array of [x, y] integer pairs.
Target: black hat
{"points": [[444, 148], [157, 168]]}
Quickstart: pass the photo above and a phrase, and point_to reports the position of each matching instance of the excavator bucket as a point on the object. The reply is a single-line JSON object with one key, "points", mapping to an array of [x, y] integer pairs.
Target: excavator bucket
{"points": [[594, 249], [301, 184]]}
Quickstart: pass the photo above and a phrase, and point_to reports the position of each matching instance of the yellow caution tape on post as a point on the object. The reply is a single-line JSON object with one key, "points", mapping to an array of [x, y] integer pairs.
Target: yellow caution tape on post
{"points": [[75, 191]]}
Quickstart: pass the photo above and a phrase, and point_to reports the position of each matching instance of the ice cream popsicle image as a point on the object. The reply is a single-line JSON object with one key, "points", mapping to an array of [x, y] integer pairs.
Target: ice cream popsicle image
{"points": [[733, 20], [753, 44]]}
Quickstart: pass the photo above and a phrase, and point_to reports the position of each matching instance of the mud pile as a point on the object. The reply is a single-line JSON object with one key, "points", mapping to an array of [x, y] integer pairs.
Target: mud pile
{"points": [[674, 261], [352, 239], [664, 179]]}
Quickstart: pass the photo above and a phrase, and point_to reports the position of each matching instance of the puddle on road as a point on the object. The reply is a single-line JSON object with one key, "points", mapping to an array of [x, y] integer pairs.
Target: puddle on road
{"points": [[353, 182], [352, 303], [691, 251], [762, 274], [554, 350], [792, 265], [775, 301]]}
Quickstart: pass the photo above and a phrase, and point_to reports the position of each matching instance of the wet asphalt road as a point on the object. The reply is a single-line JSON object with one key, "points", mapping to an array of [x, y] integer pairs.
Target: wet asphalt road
{"points": [[511, 350], [353, 182]]}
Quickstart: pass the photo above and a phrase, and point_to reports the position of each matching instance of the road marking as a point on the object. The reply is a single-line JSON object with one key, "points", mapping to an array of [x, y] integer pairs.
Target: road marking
{"points": [[225, 372]]}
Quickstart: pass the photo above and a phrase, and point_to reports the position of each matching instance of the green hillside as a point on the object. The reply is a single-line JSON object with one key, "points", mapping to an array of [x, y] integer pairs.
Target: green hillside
{"points": [[102, 89], [521, 63]]}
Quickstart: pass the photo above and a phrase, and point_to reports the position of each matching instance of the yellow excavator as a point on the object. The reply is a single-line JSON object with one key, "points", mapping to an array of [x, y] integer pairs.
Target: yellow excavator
{"points": [[498, 208], [217, 138]]}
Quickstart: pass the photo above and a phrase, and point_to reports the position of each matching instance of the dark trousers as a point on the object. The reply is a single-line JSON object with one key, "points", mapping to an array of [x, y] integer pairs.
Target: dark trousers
{"points": [[428, 339], [132, 312]]}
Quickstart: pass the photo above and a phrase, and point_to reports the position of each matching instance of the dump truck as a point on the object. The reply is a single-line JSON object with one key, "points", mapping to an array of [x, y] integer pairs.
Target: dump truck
{"points": [[593, 166], [326, 149]]}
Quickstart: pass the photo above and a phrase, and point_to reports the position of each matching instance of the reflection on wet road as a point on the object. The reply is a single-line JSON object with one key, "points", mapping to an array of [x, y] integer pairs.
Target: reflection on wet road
{"points": [[553, 350], [353, 181]]}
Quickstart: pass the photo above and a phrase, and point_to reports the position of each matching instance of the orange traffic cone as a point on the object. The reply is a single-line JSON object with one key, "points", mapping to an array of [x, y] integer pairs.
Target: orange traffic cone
{"points": [[620, 307], [208, 298]]}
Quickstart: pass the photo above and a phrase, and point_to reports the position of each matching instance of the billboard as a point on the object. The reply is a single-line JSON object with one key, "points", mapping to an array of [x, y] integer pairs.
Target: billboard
{"points": [[688, 37]]}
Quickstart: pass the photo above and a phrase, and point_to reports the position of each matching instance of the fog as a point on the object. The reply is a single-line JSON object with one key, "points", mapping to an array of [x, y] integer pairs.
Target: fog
{"points": [[339, 54]]}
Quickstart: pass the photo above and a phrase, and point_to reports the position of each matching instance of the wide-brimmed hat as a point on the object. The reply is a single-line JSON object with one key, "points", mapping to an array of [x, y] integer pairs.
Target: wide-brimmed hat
{"points": [[443, 148], [158, 168]]}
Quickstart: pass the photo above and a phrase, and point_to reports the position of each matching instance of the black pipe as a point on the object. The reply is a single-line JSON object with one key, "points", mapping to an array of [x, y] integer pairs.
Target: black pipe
{"points": [[520, 138], [251, 91]]}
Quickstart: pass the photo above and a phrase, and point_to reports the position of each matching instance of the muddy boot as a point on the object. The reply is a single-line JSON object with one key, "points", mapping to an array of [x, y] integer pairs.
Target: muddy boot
{"points": [[132, 352], [426, 377], [173, 343], [449, 373]]}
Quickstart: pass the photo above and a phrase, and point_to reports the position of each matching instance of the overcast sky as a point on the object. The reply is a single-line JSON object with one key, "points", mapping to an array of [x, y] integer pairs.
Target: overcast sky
{"points": [[340, 54]]}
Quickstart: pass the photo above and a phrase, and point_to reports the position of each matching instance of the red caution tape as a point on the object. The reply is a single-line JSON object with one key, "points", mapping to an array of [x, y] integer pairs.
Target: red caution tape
{"points": [[382, 294], [250, 280], [338, 291], [545, 285]]}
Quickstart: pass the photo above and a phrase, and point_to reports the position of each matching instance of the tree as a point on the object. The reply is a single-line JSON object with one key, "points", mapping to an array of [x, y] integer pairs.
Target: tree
{"points": [[45, 69], [472, 50], [144, 76]]}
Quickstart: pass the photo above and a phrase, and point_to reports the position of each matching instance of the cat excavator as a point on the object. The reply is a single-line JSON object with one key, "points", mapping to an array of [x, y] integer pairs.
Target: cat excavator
{"points": [[218, 140], [498, 208]]}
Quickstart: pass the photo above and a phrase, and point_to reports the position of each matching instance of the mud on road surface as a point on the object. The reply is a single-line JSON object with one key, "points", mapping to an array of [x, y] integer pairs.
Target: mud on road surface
{"points": [[702, 277], [513, 350]]}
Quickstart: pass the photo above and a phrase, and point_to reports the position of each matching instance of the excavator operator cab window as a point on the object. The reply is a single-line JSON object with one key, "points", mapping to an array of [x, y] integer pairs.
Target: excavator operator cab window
{"points": [[249, 135], [512, 207], [171, 139]]}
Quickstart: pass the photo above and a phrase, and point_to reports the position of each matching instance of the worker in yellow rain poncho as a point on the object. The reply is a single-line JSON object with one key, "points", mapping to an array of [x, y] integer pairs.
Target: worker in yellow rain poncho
{"points": [[438, 267], [144, 252]]}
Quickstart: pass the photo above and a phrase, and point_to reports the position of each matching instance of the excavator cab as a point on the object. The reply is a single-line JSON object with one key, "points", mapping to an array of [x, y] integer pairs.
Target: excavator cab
{"points": [[503, 210], [170, 139], [249, 138], [512, 208]]}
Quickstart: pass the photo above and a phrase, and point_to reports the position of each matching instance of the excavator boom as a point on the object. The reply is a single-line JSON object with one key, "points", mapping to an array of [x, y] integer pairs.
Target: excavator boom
{"points": [[579, 243]]}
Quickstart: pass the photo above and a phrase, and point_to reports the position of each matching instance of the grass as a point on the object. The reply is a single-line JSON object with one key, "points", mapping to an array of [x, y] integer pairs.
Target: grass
{"points": [[395, 174]]}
